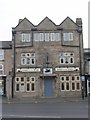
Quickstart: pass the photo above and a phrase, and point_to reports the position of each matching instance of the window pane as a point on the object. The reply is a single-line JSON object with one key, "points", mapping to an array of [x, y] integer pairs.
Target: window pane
{"points": [[73, 78], [61, 60], [36, 37], [17, 79], [26, 37], [32, 86], [22, 79], [62, 86], [68, 36], [71, 60], [17, 87], [46, 36], [73, 86], [67, 86], [1, 54], [28, 61], [28, 79], [78, 86], [78, 78], [52, 36], [41, 36], [32, 79], [28, 86], [23, 61], [57, 36], [32, 61], [62, 78], [67, 78], [1, 67]]}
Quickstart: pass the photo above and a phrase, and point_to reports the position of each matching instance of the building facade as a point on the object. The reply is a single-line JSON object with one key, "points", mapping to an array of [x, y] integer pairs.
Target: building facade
{"points": [[47, 58], [87, 71], [5, 67]]}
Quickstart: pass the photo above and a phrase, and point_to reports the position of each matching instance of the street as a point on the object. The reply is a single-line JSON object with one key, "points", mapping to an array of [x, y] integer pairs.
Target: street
{"points": [[46, 110]]}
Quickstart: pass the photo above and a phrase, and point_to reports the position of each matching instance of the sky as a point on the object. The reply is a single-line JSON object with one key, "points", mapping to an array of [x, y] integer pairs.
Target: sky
{"points": [[36, 10]]}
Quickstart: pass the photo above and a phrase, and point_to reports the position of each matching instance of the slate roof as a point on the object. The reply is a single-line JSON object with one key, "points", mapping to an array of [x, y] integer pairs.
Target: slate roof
{"points": [[5, 44]]}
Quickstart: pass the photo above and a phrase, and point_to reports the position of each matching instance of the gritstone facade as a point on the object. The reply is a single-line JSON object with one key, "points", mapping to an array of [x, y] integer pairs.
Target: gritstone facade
{"points": [[47, 59]]}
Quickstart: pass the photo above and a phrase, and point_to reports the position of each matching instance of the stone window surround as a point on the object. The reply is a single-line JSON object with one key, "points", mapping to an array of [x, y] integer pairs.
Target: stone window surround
{"points": [[25, 82]]}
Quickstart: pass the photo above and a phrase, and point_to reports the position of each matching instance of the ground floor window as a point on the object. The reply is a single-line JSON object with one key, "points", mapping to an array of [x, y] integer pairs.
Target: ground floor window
{"points": [[70, 83], [25, 84]]}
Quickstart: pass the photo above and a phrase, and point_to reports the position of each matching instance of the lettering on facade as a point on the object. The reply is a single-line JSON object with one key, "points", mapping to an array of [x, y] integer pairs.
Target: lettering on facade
{"points": [[29, 70], [67, 69]]}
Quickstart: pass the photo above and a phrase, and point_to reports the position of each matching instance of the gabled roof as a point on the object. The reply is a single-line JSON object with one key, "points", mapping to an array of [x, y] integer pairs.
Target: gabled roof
{"points": [[68, 23], [24, 24], [46, 24]]}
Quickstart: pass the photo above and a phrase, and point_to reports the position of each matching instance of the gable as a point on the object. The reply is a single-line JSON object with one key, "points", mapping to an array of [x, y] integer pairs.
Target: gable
{"points": [[46, 24], [68, 24], [24, 24]]}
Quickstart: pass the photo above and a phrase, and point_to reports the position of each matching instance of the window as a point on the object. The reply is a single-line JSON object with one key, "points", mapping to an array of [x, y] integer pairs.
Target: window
{"points": [[1, 69], [28, 87], [1, 54], [67, 86], [78, 86], [22, 79], [28, 58], [52, 36], [36, 37], [67, 78], [26, 37], [41, 36], [62, 78], [57, 36], [68, 83], [68, 36], [73, 86], [25, 84], [78, 78], [32, 86], [62, 86], [17, 87], [73, 78], [46, 36], [66, 58]]}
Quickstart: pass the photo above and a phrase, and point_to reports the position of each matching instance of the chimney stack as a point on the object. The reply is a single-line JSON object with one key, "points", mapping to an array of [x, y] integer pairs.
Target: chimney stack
{"points": [[19, 20], [79, 22]]}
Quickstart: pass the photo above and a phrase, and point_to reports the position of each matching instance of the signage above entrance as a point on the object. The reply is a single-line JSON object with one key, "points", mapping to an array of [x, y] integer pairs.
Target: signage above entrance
{"points": [[47, 71], [67, 69], [28, 70]]}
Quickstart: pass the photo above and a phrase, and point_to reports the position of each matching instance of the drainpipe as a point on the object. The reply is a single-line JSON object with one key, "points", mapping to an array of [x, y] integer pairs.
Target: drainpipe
{"points": [[14, 58]]}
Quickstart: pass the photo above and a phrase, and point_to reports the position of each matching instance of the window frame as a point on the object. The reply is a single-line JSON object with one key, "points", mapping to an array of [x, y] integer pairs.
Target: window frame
{"points": [[52, 36], [68, 36], [41, 36], [1, 54], [25, 36], [2, 69]]}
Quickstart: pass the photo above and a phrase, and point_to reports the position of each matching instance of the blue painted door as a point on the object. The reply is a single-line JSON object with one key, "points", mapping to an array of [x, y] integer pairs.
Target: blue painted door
{"points": [[48, 87]]}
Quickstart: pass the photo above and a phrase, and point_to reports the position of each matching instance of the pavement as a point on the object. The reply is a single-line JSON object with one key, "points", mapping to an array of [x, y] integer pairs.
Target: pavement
{"points": [[41, 100]]}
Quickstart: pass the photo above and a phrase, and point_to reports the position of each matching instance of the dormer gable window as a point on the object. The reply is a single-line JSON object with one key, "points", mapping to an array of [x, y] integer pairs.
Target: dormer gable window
{"points": [[26, 37], [68, 36]]}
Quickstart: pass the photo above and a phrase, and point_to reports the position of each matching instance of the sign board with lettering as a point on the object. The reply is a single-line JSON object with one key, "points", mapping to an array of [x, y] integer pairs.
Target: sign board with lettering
{"points": [[67, 69], [29, 70]]}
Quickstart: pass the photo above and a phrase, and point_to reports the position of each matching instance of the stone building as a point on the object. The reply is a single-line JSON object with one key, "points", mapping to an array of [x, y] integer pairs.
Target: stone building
{"points": [[48, 58], [5, 67], [87, 70]]}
